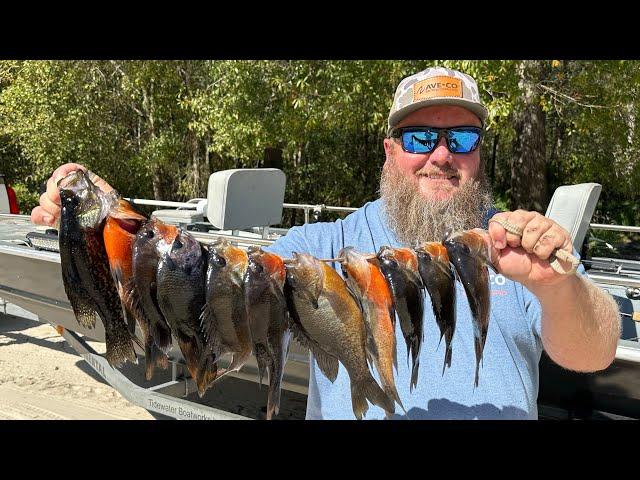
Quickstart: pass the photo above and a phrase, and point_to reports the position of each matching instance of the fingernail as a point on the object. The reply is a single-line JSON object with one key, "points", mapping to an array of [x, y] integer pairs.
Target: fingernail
{"points": [[47, 219], [499, 244]]}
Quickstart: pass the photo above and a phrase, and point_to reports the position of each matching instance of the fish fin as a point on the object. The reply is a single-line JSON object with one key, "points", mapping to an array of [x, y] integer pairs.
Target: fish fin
{"points": [[415, 355], [368, 389], [395, 355], [260, 355], [207, 373], [273, 399], [354, 296], [239, 359], [392, 393], [447, 358], [154, 357], [191, 353], [161, 333], [327, 363], [82, 308], [208, 323], [478, 348], [119, 346]]}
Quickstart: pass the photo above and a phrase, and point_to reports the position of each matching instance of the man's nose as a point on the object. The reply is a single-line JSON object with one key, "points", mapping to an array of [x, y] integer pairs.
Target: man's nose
{"points": [[441, 154]]}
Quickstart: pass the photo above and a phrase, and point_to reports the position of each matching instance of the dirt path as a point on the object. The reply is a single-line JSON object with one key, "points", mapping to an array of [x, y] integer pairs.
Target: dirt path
{"points": [[41, 377]]}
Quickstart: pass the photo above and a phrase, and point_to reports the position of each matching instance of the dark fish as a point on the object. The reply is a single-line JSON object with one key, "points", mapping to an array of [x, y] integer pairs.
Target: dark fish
{"points": [[224, 318], [400, 268], [370, 288], [85, 267], [151, 239], [468, 253], [438, 277], [119, 235], [181, 296], [327, 319], [267, 313]]}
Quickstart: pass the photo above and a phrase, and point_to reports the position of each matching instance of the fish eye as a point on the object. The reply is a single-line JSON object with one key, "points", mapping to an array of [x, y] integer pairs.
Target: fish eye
{"points": [[256, 267], [177, 244], [149, 234], [219, 261]]}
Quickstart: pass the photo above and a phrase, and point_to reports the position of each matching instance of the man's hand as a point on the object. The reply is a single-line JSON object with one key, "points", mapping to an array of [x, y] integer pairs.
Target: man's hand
{"points": [[525, 259], [48, 212]]}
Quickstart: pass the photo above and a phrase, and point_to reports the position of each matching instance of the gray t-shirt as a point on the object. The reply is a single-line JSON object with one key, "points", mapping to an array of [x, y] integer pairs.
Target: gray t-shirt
{"points": [[508, 386]]}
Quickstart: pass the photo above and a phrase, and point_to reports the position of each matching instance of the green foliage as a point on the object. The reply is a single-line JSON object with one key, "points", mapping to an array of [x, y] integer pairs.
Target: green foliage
{"points": [[159, 128]]}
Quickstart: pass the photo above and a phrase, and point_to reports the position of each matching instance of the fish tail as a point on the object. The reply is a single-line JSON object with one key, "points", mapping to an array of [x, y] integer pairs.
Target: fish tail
{"points": [[131, 321], [368, 389], [447, 358], [414, 371], [119, 346], [154, 358], [190, 352], [207, 373], [273, 400], [478, 345], [239, 359], [161, 335], [261, 361]]}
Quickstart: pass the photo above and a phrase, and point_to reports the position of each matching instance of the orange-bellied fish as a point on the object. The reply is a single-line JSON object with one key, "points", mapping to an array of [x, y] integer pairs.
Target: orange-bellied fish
{"points": [[327, 319], [370, 287], [119, 234]]}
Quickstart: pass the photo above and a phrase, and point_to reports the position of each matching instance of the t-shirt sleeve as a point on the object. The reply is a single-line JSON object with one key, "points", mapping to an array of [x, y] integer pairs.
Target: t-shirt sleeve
{"points": [[316, 239], [293, 241]]}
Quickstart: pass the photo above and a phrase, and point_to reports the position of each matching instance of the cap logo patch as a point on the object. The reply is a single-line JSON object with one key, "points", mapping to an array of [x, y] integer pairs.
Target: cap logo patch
{"points": [[437, 87]]}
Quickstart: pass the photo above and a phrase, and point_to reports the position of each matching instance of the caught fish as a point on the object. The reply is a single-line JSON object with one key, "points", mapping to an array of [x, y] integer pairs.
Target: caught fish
{"points": [[468, 253], [224, 317], [181, 295], [400, 268], [326, 318], [85, 268], [438, 277], [119, 235], [267, 313], [370, 288], [152, 239]]}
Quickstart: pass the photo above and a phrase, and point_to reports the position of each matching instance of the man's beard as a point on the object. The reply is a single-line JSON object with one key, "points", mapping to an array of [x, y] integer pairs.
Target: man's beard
{"points": [[416, 219]]}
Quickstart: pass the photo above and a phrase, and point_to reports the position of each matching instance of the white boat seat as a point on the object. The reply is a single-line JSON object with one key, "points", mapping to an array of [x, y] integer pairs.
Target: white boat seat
{"points": [[572, 207], [245, 197]]}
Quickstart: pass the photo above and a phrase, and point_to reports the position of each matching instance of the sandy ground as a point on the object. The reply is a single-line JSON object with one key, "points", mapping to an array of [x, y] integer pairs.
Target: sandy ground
{"points": [[41, 376]]}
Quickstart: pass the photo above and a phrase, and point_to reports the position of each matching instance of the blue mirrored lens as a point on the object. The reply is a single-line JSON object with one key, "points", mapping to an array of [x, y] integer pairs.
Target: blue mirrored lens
{"points": [[419, 141], [462, 142]]}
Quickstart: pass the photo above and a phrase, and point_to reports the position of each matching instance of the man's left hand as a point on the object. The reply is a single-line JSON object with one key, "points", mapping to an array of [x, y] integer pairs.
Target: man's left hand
{"points": [[525, 259]]}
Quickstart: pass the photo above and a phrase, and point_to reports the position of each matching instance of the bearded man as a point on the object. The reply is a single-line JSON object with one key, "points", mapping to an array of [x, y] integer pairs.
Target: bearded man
{"points": [[433, 181]]}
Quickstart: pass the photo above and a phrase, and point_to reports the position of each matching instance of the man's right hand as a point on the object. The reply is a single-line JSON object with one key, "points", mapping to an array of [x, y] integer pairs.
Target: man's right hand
{"points": [[48, 212]]}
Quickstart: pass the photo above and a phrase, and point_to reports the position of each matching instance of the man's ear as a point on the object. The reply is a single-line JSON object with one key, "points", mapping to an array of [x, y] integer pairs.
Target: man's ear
{"points": [[389, 146]]}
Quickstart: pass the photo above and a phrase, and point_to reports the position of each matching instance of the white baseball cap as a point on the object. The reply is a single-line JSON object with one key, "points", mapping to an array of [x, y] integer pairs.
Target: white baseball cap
{"points": [[436, 86]]}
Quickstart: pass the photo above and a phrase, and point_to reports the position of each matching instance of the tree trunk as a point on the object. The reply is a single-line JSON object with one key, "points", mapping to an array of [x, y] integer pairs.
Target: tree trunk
{"points": [[528, 166]]}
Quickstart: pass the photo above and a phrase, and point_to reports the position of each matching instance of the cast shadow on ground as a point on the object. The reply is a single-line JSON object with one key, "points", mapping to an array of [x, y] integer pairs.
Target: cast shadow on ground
{"points": [[443, 409]]}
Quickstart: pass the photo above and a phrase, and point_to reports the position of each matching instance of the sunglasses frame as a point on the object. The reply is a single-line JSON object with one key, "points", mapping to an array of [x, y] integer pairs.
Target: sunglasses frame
{"points": [[442, 132]]}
